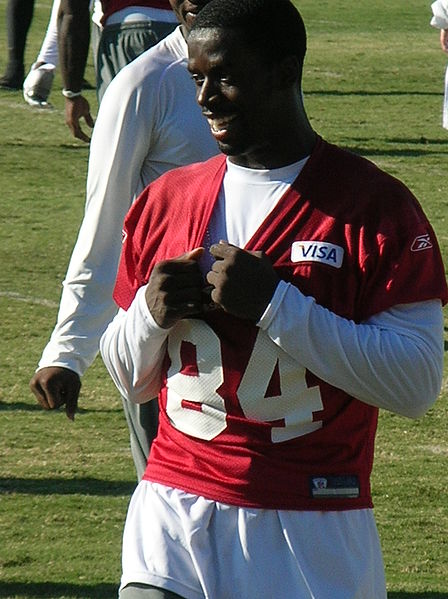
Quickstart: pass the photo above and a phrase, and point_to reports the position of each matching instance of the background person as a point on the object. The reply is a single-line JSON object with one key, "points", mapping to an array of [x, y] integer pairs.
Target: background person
{"points": [[39, 81], [440, 21], [327, 297], [127, 29], [148, 123]]}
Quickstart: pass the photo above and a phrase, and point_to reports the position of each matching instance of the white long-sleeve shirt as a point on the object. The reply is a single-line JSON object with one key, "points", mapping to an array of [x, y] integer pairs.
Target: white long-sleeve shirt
{"points": [[440, 14], [148, 123], [394, 360]]}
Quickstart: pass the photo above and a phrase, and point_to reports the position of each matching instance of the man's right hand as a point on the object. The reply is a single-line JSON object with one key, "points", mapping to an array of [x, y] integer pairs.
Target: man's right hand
{"points": [[55, 386], [76, 109], [174, 289]]}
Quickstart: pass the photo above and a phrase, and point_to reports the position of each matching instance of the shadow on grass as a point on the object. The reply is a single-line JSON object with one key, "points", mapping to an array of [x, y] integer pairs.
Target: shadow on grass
{"points": [[363, 92], [423, 150], [416, 146], [9, 406], [75, 146], [416, 140], [58, 590], [61, 486], [6, 406]]}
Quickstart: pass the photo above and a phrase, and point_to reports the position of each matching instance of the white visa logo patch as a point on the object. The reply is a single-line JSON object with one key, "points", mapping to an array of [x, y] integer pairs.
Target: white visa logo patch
{"points": [[317, 251]]}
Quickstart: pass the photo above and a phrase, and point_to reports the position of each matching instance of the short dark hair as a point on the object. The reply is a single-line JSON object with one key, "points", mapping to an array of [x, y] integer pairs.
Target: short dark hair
{"points": [[274, 27]]}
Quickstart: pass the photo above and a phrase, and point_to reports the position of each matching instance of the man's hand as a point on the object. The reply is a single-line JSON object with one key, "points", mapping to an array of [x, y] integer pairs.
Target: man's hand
{"points": [[244, 282], [76, 109], [55, 386], [174, 289]]}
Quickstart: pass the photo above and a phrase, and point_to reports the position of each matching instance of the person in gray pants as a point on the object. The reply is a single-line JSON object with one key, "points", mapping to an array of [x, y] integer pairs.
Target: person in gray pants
{"points": [[138, 136]]}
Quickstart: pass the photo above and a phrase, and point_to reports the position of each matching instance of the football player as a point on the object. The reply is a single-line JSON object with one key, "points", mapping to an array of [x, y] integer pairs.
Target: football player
{"points": [[274, 297]]}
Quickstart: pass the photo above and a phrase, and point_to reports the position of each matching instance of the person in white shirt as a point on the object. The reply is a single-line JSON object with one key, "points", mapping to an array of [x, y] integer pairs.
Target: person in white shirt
{"points": [[148, 123], [440, 21]]}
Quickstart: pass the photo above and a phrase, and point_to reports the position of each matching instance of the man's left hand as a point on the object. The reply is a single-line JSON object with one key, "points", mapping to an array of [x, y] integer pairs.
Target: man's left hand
{"points": [[76, 109], [243, 282]]}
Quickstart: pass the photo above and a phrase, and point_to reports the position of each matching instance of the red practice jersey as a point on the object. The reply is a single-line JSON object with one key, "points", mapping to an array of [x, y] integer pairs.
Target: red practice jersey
{"points": [[241, 421]]}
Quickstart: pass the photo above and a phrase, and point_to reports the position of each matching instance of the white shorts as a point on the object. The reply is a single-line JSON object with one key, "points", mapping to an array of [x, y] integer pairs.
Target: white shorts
{"points": [[203, 549]]}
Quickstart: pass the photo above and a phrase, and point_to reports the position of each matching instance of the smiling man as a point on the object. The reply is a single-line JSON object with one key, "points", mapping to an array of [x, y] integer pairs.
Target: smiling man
{"points": [[274, 297]]}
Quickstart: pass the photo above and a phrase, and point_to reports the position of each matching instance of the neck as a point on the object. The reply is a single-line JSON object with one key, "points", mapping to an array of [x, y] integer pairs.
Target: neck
{"points": [[288, 140], [289, 148]]}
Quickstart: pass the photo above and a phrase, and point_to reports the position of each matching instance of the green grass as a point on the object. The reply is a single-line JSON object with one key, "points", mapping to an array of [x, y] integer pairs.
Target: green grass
{"points": [[373, 83]]}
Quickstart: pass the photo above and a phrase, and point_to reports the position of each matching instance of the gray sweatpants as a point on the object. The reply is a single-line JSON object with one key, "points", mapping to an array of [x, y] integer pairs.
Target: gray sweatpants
{"points": [[143, 591], [143, 420], [114, 47], [120, 44]]}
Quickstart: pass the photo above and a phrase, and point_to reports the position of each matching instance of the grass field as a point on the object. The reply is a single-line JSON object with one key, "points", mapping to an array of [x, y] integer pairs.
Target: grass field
{"points": [[373, 83]]}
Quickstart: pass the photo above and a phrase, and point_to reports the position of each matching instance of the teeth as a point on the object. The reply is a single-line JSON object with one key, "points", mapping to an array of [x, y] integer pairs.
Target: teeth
{"points": [[219, 125], [215, 128]]}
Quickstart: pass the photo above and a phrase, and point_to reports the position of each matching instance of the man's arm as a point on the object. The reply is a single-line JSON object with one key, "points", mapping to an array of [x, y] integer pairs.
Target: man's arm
{"points": [[120, 144], [392, 361], [74, 38], [132, 348], [133, 345]]}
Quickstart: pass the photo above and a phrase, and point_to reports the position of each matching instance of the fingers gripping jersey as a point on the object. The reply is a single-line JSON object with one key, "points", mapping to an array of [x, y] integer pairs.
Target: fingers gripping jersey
{"points": [[243, 422]]}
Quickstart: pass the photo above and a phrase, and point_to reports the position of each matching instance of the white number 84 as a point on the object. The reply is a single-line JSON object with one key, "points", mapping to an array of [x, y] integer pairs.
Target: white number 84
{"points": [[195, 408]]}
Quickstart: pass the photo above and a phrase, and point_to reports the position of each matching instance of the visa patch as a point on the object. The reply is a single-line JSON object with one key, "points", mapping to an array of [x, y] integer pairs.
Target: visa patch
{"points": [[317, 251]]}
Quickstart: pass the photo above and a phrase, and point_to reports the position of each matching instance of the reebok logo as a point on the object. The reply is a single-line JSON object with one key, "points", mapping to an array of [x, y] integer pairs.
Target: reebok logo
{"points": [[317, 251], [422, 242]]}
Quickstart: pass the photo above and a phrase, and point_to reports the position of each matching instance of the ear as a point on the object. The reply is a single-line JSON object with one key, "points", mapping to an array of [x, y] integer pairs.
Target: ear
{"points": [[288, 73]]}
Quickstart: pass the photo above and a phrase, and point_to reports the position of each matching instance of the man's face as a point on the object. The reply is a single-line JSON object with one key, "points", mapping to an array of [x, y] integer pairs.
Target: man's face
{"points": [[234, 91], [186, 10]]}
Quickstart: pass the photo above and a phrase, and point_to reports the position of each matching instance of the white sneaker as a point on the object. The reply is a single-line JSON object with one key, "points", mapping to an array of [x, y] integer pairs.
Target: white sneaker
{"points": [[37, 85]]}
